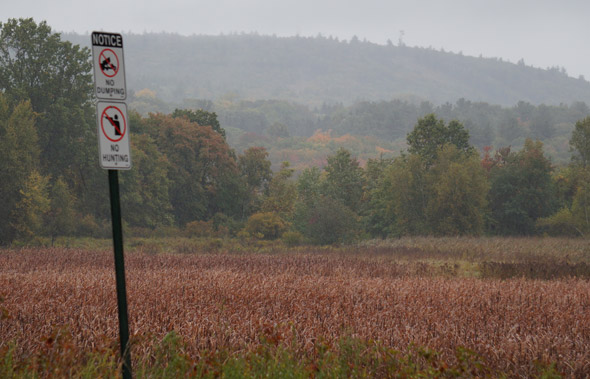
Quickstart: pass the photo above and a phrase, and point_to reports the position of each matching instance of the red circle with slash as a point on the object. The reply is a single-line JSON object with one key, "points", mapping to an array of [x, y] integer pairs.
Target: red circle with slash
{"points": [[105, 63], [115, 120]]}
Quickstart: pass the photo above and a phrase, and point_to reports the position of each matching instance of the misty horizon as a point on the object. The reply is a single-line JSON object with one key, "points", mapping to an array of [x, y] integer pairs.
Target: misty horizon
{"points": [[542, 33]]}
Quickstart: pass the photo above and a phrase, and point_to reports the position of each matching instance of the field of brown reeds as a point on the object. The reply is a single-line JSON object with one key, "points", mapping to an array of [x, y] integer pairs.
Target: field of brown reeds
{"points": [[396, 294]]}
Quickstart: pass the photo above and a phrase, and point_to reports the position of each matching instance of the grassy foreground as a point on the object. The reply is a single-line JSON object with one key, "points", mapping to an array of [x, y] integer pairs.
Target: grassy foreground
{"points": [[168, 359], [400, 308]]}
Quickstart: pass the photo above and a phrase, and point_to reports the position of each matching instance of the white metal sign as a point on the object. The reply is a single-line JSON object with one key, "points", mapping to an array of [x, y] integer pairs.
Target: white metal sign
{"points": [[113, 136], [109, 66]]}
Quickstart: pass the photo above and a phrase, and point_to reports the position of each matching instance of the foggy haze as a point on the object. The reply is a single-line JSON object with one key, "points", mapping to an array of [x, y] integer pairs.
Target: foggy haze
{"points": [[543, 33]]}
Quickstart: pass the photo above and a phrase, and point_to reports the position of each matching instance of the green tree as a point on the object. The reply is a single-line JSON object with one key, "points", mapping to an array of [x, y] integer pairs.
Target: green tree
{"points": [[445, 198], [581, 204], [542, 124], [580, 142], [344, 179], [378, 215], [199, 159], [431, 134], [61, 217], [56, 77], [282, 193], [571, 220], [573, 187], [201, 117], [230, 196], [325, 221], [521, 191], [27, 217], [19, 154], [265, 225], [278, 130], [145, 188], [309, 185], [255, 168], [227, 193], [573, 216], [321, 218], [459, 187], [579, 211], [405, 191], [256, 173]]}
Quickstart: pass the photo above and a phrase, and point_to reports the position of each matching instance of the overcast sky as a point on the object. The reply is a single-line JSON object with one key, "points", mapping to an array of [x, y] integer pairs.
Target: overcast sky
{"points": [[542, 32]]}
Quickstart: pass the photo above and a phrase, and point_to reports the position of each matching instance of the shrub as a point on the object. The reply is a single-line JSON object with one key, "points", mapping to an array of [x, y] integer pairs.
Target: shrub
{"points": [[326, 221], [225, 225], [88, 226], [534, 270], [167, 231], [148, 246], [199, 229], [292, 238], [213, 244], [561, 223], [265, 225]]}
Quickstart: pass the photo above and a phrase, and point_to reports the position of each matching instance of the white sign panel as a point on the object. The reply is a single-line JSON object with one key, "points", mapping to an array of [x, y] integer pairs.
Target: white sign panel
{"points": [[113, 136], [109, 66]]}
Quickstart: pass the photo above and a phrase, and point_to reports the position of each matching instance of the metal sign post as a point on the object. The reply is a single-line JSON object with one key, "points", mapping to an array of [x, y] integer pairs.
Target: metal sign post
{"points": [[114, 154], [120, 273]]}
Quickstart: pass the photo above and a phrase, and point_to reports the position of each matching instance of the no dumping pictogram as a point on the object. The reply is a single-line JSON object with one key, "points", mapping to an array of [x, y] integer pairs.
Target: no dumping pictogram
{"points": [[109, 63], [113, 123]]}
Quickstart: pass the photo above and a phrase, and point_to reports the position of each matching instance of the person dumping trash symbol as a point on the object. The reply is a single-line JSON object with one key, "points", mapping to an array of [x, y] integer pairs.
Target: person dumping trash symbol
{"points": [[106, 65]]}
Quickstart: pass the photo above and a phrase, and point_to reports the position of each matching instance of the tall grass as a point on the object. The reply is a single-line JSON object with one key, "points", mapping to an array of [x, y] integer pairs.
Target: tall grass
{"points": [[167, 358], [235, 304]]}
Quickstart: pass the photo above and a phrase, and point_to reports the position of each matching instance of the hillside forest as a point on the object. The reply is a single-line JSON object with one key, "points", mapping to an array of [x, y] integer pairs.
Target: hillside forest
{"points": [[315, 70], [275, 169]]}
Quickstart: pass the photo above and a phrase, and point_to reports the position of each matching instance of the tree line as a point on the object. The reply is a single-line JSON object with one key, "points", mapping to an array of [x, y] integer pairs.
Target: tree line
{"points": [[280, 125], [186, 177]]}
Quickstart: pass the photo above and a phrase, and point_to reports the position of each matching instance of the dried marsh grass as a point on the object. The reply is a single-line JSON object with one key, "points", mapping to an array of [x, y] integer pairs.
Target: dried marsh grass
{"points": [[229, 301]]}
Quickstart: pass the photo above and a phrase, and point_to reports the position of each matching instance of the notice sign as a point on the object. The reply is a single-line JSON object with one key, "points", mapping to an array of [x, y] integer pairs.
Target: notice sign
{"points": [[109, 66], [113, 136]]}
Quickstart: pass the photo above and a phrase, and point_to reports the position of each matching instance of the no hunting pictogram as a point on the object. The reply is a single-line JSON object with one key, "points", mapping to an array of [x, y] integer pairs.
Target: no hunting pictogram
{"points": [[113, 123]]}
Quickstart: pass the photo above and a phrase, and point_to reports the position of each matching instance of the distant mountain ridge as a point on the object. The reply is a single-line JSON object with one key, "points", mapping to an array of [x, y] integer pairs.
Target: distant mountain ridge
{"points": [[316, 70]]}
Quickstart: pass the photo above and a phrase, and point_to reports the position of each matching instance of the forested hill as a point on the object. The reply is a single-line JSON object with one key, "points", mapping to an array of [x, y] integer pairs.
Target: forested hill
{"points": [[318, 70]]}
